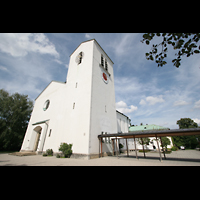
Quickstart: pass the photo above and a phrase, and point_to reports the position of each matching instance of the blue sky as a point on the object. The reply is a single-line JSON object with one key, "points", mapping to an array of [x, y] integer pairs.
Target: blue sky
{"points": [[144, 92]]}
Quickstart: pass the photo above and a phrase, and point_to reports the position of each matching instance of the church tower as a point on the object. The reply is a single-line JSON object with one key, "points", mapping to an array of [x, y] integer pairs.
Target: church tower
{"points": [[77, 111], [90, 83]]}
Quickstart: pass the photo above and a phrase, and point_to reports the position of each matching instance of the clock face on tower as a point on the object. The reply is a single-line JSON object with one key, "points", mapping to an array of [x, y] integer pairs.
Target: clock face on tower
{"points": [[104, 77]]}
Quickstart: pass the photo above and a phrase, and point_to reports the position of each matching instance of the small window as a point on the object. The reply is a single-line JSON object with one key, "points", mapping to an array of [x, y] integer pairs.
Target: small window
{"points": [[73, 105], [106, 65], [50, 132], [46, 105], [102, 63], [76, 85]]}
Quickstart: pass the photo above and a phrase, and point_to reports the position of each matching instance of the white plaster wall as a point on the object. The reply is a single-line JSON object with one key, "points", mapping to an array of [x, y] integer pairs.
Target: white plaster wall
{"points": [[78, 118], [123, 123], [53, 113], [81, 125], [102, 120]]}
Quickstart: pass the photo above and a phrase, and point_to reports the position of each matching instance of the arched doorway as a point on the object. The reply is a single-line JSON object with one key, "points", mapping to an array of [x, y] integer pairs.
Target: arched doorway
{"points": [[38, 131]]}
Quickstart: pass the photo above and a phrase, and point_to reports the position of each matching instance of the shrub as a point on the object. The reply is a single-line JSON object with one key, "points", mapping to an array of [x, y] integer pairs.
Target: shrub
{"points": [[49, 152], [66, 149], [57, 155], [44, 154], [174, 148]]}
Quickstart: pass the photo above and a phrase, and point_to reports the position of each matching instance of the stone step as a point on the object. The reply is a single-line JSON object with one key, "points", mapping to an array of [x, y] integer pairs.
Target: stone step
{"points": [[28, 153]]}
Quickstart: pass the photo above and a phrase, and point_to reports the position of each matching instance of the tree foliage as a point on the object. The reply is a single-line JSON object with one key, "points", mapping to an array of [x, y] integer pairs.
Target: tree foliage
{"points": [[190, 142], [145, 141], [186, 43], [186, 123], [66, 149], [15, 111], [165, 142]]}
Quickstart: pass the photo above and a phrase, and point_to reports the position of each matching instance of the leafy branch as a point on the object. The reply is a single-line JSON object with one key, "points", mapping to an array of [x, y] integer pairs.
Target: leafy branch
{"points": [[177, 40]]}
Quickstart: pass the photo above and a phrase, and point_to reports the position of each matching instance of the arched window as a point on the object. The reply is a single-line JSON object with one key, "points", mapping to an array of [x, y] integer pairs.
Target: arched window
{"points": [[80, 57]]}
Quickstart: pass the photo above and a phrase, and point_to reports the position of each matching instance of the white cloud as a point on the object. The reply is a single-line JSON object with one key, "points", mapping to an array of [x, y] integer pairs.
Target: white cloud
{"points": [[142, 102], [58, 61], [19, 44], [87, 36], [122, 107], [152, 100], [197, 104], [123, 48], [3, 68], [180, 103], [197, 121]]}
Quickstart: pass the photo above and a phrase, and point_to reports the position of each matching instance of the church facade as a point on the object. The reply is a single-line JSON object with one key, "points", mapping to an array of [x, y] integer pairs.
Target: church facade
{"points": [[78, 110]]}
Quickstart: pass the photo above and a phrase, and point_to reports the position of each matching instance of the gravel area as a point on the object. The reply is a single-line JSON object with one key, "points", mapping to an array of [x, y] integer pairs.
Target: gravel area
{"points": [[176, 158]]}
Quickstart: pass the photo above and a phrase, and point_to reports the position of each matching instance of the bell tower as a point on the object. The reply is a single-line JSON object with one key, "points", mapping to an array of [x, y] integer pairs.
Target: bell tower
{"points": [[91, 95]]}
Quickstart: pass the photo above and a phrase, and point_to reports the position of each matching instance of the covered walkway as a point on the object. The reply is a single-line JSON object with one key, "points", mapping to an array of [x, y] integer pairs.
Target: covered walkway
{"points": [[139, 134]]}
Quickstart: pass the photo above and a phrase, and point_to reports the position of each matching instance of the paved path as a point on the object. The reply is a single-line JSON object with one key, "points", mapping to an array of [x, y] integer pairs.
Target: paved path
{"points": [[178, 158]]}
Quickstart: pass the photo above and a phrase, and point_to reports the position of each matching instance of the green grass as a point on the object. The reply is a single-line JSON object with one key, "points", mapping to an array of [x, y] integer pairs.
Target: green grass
{"points": [[144, 151]]}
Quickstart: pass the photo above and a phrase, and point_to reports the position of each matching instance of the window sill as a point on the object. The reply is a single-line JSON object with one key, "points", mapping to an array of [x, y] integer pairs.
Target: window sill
{"points": [[104, 69]]}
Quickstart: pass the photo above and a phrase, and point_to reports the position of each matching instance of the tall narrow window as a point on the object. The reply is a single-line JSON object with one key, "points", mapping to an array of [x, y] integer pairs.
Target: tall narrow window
{"points": [[106, 65], [50, 132], [76, 85], [102, 64], [73, 105], [80, 57]]}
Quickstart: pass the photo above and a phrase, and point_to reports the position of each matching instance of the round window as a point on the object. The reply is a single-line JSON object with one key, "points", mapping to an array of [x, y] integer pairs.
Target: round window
{"points": [[46, 105]]}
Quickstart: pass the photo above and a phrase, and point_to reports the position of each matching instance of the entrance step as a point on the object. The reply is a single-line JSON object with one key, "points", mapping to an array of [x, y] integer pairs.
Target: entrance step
{"points": [[28, 153]]}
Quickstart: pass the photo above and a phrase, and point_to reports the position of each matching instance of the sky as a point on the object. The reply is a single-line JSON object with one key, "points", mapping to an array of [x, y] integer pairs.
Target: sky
{"points": [[144, 92]]}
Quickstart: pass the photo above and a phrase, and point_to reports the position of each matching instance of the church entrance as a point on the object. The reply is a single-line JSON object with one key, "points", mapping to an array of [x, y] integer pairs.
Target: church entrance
{"points": [[38, 131]]}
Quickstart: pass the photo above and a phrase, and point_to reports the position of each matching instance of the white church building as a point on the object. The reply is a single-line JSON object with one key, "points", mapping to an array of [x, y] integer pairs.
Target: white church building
{"points": [[78, 110]]}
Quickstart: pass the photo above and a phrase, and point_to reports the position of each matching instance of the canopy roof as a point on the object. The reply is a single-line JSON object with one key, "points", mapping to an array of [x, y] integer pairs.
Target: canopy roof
{"points": [[154, 133]]}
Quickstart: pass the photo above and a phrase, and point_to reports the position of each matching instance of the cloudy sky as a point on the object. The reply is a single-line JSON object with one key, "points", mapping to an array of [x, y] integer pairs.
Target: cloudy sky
{"points": [[144, 92]]}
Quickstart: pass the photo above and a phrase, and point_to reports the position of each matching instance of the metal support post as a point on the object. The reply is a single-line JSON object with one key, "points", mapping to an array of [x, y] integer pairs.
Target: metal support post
{"points": [[143, 148], [135, 148], [159, 149], [162, 148], [101, 147], [127, 147]]}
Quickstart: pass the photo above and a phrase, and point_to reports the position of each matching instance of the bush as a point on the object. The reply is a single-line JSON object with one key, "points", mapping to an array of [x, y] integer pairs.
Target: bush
{"points": [[174, 148], [57, 155], [49, 152], [44, 154], [66, 149]]}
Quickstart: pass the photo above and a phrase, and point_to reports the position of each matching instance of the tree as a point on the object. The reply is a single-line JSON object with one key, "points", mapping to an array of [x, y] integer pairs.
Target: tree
{"points": [[15, 112], [189, 142], [185, 42], [165, 142], [186, 123], [145, 140]]}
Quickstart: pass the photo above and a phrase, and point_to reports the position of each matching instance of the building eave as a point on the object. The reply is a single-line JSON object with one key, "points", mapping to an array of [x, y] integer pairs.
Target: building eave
{"points": [[48, 86], [97, 44]]}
